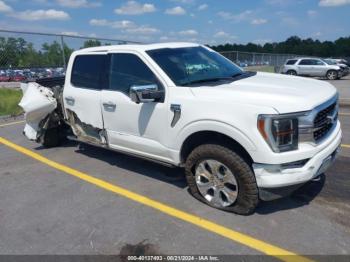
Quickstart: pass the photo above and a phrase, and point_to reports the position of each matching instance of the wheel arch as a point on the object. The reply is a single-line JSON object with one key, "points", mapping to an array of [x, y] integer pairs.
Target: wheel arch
{"points": [[227, 136]]}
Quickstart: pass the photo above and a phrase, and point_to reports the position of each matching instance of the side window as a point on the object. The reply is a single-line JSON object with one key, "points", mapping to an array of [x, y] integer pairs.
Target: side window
{"points": [[318, 62], [128, 70], [306, 62], [291, 62], [89, 71]]}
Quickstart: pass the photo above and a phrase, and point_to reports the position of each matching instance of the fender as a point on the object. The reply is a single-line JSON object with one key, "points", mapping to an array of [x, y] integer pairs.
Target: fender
{"points": [[216, 126]]}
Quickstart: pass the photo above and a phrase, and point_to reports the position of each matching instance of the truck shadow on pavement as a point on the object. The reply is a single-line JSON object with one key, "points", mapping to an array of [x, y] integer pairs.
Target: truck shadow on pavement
{"points": [[171, 175], [301, 197]]}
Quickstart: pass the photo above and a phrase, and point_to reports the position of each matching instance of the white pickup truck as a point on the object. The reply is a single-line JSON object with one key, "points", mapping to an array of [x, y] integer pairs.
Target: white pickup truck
{"points": [[240, 136]]}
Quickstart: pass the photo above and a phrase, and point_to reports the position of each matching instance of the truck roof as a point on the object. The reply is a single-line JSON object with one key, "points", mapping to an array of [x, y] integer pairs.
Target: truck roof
{"points": [[135, 47]]}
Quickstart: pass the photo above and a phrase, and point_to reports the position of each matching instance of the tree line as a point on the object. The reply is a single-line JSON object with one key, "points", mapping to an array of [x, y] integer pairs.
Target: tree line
{"points": [[295, 45], [17, 52]]}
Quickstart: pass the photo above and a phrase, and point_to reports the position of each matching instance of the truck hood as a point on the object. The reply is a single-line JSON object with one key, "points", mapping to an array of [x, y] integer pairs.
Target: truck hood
{"points": [[286, 94]]}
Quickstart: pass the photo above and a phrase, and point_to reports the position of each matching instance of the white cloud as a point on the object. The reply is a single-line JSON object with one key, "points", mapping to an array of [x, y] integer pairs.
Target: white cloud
{"points": [[189, 32], [123, 24], [236, 17], [177, 10], [71, 33], [36, 15], [135, 8], [126, 26], [164, 38], [258, 21], [4, 8], [311, 13], [186, 2], [77, 3], [333, 2], [202, 7], [143, 30], [221, 34]]}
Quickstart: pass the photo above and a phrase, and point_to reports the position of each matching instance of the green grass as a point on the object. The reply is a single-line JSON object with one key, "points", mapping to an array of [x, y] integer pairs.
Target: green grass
{"points": [[9, 99], [269, 69]]}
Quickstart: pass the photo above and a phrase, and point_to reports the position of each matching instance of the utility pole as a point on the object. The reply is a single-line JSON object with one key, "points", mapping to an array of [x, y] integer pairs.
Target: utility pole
{"points": [[63, 55]]}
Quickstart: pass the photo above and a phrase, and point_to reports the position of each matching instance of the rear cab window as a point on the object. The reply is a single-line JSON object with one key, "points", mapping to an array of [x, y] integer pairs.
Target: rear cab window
{"points": [[90, 71]]}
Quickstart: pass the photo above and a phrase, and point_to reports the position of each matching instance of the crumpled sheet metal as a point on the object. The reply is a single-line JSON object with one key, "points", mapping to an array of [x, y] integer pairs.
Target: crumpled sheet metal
{"points": [[37, 102]]}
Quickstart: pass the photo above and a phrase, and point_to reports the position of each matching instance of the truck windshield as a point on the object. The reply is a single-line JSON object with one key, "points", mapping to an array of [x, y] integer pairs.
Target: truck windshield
{"points": [[192, 65]]}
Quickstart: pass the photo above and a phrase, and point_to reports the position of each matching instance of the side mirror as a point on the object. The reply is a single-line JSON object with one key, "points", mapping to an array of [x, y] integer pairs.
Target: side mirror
{"points": [[146, 94]]}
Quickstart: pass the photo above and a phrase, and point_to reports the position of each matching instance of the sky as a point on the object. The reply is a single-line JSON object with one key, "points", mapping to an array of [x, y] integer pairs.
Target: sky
{"points": [[204, 21]]}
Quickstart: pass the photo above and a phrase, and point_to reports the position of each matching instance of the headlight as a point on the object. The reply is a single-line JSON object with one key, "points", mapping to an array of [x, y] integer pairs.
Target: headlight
{"points": [[280, 132]]}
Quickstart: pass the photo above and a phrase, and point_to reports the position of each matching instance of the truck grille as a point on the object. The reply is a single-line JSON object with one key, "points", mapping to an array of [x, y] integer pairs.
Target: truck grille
{"points": [[324, 121]]}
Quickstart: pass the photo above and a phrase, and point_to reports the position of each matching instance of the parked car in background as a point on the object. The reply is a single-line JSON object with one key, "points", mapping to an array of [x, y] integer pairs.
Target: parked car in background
{"points": [[4, 77], [314, 67], [343, 61], [17, 77], [343, 67]]}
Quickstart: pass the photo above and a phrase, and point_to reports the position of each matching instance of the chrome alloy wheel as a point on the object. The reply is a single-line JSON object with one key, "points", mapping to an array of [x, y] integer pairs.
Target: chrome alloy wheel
{"points": [[216, 183]]}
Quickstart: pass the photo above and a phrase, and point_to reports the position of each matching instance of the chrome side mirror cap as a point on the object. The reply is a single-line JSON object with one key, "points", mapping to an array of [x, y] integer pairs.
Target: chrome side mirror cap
{"points": [[146, 94]]}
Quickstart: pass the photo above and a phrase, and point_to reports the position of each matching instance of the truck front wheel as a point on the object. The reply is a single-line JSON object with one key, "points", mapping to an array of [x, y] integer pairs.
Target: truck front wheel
{"points": [[221, 178]]}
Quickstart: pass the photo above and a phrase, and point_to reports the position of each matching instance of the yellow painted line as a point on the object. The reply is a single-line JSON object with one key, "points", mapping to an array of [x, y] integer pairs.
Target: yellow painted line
{"points": [[236, 236], [344, 114], [12, 123], [346, 146]]}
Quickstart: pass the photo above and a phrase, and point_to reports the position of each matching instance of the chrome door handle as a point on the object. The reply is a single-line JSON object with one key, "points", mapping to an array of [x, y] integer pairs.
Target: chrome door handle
{"points": [[70, 100], [109, 105]]}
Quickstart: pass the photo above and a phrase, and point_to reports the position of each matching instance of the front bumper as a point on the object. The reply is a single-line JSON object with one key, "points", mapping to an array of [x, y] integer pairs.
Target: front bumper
{"points": [[268, 176]]}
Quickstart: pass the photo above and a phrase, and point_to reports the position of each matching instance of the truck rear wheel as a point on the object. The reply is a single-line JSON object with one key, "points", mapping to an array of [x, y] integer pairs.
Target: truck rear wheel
{"points": [[51, 138], [221, 178]]}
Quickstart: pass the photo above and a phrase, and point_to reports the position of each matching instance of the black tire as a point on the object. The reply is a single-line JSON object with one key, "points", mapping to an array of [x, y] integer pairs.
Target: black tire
{"points": [[51, 138], [248, 194], [292, 72], [332, 75]]}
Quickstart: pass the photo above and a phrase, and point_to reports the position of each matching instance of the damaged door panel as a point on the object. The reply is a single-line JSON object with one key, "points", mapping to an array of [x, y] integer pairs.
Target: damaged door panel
{"points": [[81, 97]]}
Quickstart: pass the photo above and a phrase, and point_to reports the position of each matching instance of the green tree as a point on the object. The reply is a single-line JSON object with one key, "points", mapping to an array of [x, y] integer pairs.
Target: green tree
{"points": [[91, 43]]}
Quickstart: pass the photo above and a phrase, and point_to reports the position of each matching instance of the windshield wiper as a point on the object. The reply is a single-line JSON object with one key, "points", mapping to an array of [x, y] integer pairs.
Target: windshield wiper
{"points": [[207, 80], [232, 78], [237, 74]]}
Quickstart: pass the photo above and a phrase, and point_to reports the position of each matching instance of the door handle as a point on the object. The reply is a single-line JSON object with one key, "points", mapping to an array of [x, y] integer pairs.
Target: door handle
{"points": [[70, 100], [109, 105]]}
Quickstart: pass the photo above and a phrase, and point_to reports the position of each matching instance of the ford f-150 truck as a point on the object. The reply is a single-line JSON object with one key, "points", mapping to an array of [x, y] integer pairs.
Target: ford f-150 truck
{"points": [[240, 136]]}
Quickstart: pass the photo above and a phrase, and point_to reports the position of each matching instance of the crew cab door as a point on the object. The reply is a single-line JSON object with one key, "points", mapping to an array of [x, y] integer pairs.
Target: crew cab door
{"points": [[139, 128], [86, 77]]}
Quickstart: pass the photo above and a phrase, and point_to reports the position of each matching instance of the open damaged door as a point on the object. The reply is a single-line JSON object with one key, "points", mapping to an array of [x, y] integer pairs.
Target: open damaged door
{"points": [[85, 78]]}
